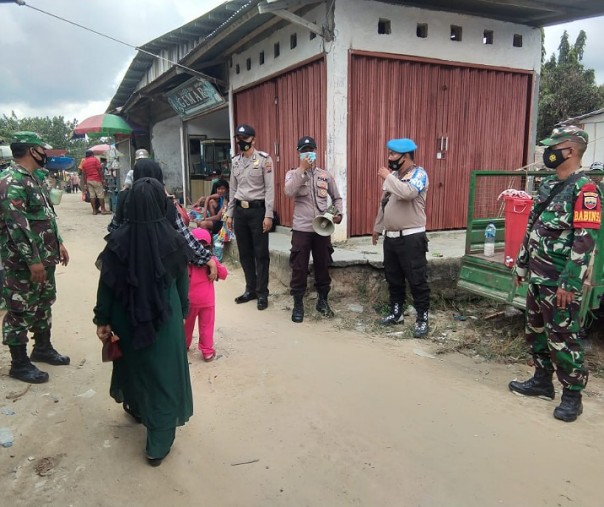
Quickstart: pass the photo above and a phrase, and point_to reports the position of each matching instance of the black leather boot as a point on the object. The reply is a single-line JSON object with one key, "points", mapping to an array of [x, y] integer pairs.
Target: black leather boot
{"points": [[421, 325], [395, 316], [298, 310], [539, 385], [323, 306], [21, 367], [44, 352], [570, 406]]}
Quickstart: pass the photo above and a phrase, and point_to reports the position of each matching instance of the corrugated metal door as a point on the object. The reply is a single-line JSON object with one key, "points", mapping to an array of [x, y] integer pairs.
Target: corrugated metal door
{"points": [[462, 119], [282, 110]]}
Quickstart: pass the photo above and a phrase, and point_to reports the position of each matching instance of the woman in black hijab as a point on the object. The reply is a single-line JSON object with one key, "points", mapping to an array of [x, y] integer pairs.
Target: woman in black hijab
{"points": [[146, 168], [142, 299]]}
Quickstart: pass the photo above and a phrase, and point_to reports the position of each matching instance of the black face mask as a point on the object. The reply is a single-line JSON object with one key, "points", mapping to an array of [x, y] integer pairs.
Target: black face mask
{"points": [[40, 161], [244, 145], [553, 158], [395, 165]]}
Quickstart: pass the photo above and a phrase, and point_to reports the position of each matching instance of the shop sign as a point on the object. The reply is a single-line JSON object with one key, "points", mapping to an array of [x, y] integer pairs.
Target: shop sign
{"points": [[193, 97]]}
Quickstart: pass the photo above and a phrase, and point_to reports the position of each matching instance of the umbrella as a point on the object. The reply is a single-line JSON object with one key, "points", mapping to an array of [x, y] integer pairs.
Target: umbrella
{"points": [[102, 125], [59, 163], [99, 149]]}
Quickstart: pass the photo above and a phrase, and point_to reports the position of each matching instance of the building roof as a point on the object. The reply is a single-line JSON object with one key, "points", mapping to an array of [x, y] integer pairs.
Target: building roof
{"points": [[572, 121], [232, 23]]}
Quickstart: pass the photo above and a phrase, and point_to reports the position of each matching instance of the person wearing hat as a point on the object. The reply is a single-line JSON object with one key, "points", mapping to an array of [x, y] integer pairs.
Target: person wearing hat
{"points": [[30, 248], [250, 212], [554, 258], [314, 190], [93, 177], [138, 155], [401, 217]]}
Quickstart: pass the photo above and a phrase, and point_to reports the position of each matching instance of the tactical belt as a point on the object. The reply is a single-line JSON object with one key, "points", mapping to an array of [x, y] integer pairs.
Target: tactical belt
{"points": [[250, 204], [404, 232]]}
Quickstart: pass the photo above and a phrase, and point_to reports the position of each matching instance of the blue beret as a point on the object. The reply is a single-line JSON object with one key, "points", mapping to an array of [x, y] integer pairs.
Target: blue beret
{"points": [[401, 145]]}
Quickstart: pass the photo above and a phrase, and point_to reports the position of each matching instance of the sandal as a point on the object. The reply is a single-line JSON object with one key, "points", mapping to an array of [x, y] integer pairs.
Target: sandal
{"points": [[211, 358], [132, 414]]}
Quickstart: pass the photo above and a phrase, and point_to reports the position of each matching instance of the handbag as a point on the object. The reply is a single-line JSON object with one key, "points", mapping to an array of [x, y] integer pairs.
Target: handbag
{"points": [[86, 196], [111, 350]]}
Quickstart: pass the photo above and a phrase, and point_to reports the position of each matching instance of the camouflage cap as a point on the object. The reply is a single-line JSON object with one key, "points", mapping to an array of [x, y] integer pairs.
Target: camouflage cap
{"points": [[566, 133], [30, 138]]}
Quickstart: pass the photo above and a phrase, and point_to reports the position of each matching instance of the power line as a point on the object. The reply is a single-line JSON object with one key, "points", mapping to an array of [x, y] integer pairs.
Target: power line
{"points": [[175, 64]]}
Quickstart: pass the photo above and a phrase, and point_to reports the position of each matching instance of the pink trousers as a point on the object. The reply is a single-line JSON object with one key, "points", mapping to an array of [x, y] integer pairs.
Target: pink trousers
{"points": [[205, 326]]}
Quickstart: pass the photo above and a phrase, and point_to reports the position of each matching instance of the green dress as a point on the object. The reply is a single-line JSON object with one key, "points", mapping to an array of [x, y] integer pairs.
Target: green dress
{"points": [[154, 381]]}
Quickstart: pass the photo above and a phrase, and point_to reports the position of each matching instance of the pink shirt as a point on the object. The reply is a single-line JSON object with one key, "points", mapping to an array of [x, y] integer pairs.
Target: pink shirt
{"points": [[201, 289]]}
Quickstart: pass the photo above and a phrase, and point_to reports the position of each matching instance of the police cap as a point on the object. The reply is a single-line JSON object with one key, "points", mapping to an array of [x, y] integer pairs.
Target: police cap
{"points": [[307, 142], [401, 145], [245, 130]]}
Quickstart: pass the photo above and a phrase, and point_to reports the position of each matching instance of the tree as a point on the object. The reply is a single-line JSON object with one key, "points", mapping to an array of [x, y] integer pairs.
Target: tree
{"points": [[566, 89], [56, 131]]}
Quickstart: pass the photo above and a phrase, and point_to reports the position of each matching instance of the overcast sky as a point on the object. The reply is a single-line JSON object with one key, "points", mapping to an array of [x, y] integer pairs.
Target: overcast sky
{"points": [[49, 67]]}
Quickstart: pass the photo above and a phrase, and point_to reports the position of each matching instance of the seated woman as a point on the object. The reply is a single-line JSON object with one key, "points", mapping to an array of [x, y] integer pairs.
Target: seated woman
{"points": [[215, 206], [142, 300]]}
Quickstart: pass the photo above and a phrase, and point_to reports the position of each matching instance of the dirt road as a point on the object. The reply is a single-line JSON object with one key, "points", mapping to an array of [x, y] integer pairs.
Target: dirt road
{"points": [[290, 415]]}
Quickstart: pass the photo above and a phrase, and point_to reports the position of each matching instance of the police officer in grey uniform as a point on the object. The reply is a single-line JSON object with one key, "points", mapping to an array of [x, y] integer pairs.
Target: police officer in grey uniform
{"points": [[313, 190], [250, 212], [401, 218]]}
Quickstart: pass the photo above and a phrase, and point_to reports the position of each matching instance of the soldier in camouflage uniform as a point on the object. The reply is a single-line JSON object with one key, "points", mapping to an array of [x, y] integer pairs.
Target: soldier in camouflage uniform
{"points": [[555, 254], [30, 247]]}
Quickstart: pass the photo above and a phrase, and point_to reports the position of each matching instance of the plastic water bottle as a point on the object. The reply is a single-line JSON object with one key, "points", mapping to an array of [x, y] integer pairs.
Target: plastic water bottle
{"points": [[489, 240], [6, 437]]}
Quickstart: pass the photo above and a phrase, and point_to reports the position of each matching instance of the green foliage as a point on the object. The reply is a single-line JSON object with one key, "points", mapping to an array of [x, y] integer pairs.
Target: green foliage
{"points": [[566, 89], [56, 131]]}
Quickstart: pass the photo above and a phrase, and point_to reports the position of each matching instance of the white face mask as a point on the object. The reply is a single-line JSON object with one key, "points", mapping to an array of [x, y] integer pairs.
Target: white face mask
{"points": [[311, 156]]}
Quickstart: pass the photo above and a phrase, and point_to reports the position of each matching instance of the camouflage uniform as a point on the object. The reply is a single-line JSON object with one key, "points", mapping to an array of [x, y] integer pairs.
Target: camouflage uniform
{"points": [[556, 254], [28, 235]]}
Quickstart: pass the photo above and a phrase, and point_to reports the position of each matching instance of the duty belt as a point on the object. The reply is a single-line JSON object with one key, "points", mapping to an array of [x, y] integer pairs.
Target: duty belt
{"points": [[404, 232], [249, 204]]}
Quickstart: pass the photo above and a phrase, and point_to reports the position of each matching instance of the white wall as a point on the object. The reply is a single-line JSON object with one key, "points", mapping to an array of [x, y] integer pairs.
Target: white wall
{"points": [[357, 23], [594, 127], [165, 143], [214, 125], [304, 50]]}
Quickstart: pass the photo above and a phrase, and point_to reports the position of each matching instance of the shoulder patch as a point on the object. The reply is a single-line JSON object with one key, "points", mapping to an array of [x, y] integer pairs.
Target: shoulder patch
{"points": [[588, 208], [419, 179]]}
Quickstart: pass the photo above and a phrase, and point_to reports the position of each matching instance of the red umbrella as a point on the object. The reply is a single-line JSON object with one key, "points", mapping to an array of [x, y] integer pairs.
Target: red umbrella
{"points": [[102, 125], [99, 149]]}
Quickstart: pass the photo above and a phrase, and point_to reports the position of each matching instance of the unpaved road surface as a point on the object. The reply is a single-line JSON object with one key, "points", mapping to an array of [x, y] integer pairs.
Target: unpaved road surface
{"points": [[290, 415]]}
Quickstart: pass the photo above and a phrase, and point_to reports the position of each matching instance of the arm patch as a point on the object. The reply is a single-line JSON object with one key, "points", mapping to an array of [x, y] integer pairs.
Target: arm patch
{"points": [[588, 208]]}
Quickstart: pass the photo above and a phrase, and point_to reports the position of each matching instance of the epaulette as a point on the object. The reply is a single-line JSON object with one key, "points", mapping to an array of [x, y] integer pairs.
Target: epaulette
{"points": [[263, 154]]}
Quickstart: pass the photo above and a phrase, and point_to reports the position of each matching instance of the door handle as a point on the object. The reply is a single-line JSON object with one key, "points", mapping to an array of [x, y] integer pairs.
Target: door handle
{"points": [[446, 143], [276, 145]]}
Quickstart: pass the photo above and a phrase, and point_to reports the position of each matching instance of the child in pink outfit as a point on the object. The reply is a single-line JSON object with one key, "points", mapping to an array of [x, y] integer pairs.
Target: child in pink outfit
{"points": [[202, 301]]}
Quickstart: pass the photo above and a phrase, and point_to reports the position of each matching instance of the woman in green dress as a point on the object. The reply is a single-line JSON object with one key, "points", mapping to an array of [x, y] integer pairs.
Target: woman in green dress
{"points": [[142, 300]]}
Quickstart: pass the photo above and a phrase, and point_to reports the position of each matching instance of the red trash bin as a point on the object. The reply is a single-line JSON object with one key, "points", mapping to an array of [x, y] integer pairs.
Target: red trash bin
{"points": [[516, 214]]}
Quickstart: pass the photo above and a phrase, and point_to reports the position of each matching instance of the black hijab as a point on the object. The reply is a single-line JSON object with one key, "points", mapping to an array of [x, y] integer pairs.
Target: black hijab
{"points": [[142, 258], [143, 168]]}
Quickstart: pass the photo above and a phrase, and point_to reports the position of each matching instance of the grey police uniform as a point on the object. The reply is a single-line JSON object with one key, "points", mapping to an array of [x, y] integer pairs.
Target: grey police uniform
{"points": [[251, 199], [311, 191], [402, 218]]}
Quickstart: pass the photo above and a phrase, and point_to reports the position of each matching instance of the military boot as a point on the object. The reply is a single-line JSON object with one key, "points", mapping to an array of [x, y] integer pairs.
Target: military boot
{"points": [[323, 306], [44, 352], [298, 310], [539, 385], [395, 316], [21, 367], [570, 406], [421, 325]]}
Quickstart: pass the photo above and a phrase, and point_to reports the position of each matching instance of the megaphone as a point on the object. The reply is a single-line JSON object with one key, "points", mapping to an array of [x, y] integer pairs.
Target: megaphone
{"points": [[323, 224]]}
